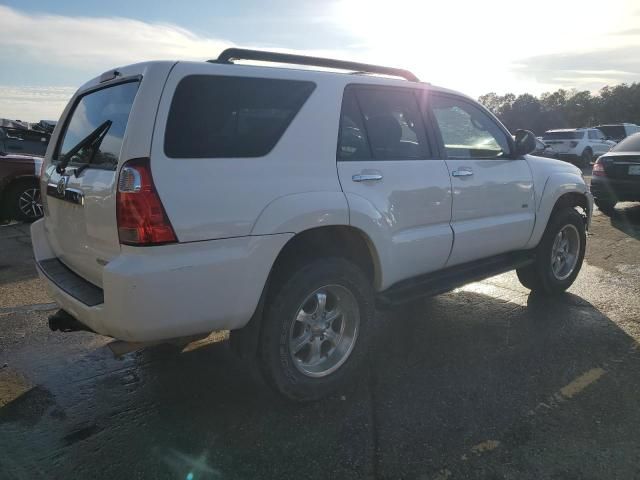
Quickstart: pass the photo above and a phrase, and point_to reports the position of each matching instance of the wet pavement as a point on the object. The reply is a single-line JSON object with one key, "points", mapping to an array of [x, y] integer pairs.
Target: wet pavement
{"points": [[487, 381]]}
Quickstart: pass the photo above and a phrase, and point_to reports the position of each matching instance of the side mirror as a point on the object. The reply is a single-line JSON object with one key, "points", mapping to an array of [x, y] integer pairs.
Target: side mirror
{"points": [[525, 142]]}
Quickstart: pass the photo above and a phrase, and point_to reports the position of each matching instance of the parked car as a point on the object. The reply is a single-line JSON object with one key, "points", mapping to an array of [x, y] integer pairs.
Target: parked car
{"points": [[285, 204], [616, 175], [544, 150], [19, 187], [618, 131], [578, 145]]}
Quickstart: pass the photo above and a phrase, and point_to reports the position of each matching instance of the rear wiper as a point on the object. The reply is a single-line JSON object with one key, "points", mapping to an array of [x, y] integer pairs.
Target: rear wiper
{"points": [[94, 138]]}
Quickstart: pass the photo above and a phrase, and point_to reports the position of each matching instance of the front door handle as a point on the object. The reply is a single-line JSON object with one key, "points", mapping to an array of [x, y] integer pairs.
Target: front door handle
{"points": [[367, 177], [463, 172]]}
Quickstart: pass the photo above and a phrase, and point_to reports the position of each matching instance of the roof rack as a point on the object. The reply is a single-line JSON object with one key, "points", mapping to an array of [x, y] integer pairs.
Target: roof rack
{"points": [[230, 54]]}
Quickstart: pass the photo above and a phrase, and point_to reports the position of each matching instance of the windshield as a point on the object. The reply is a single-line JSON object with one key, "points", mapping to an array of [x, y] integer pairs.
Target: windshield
{"points": [[570, 135], [112, 105], [629, 144]]}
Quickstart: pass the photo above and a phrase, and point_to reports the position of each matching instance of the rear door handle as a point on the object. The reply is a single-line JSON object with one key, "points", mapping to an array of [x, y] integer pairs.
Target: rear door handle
{"points": [[462, 172], [367, 177]]}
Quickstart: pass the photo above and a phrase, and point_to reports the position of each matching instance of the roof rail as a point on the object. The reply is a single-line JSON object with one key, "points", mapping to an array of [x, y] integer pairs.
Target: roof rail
{"points": [[230, 54]]}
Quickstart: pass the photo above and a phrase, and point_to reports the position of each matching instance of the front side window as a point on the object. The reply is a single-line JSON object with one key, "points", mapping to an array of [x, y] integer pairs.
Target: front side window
{"points": [[96, 127], [468, 132], [217, 116], [593, 135]]}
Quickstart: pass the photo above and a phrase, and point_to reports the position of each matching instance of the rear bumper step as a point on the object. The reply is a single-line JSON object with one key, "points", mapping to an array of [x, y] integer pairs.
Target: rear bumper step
{"points": [[71, 283]]}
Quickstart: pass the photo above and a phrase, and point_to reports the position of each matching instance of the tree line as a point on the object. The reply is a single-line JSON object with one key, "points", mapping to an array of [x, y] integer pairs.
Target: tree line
{"points": [[566, 108]]}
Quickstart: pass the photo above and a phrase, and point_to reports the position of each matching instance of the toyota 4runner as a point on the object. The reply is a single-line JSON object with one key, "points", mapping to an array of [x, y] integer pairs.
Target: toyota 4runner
{"points": [[285, 205]]}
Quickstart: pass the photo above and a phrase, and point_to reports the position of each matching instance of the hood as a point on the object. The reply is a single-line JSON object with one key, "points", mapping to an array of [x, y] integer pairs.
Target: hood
{"points": [[554, 166]]}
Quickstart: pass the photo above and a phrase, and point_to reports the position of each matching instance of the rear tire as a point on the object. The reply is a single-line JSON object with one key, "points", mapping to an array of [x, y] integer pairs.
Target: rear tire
{"points": [[23, 201], [559, 254], [316, 328]]}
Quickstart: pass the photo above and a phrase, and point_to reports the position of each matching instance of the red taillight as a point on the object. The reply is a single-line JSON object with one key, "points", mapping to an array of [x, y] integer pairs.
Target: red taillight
{"points": [[598, 169], [141, 216]]}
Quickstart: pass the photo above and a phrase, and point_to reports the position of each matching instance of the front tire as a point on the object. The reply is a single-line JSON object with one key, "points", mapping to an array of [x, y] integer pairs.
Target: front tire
{"points": [[559, 255], [315, 329]]}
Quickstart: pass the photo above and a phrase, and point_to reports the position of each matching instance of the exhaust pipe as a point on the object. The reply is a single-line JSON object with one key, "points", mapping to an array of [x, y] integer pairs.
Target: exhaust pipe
{"points": [[64, 322]]}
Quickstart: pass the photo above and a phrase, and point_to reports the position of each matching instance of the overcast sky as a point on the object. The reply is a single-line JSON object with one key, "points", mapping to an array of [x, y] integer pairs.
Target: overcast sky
{"points": [[47, 49]]}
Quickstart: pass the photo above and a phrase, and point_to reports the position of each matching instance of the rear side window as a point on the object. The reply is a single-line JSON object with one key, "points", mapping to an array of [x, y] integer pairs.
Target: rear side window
{"points": [[106, 112], [353, 143], [595, 135], [388, 119], [218, 116]]}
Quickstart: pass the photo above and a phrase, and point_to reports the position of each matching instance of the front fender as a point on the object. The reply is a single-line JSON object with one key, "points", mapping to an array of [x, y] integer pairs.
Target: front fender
{"points": [[302, 211], [556, 185]]}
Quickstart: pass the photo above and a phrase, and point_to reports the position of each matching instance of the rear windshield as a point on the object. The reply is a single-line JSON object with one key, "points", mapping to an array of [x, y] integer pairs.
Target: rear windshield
{"points": [[563, 136], [616, 132], [218, 116], [629, 144], [106, 110]]}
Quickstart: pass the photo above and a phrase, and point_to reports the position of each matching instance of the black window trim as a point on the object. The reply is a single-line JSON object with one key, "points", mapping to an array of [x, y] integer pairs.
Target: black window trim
{"points": [[63, 132], [286, 129], [432, 147], [511, 154]]}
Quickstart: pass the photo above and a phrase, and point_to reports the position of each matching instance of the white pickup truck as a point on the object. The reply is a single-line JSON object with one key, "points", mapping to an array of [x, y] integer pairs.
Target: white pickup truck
{"points": [[285, 205]]}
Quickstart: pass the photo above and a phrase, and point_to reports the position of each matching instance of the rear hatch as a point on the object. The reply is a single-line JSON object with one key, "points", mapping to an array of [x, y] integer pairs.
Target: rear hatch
{"points": [[562, 142], [80, 204]]}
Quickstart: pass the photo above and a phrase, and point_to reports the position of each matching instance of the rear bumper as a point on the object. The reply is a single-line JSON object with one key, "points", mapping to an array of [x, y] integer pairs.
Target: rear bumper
{"points": [[170, 291], [604, 188]]}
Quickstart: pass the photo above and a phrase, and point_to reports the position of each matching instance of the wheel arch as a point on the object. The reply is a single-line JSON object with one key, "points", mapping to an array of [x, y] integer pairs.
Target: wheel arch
{"points": [[561, 190], [313, 243]]}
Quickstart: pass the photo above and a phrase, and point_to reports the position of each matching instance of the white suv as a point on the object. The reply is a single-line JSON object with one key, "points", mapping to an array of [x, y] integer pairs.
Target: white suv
{"points": [[579, 146], [286, 204]]}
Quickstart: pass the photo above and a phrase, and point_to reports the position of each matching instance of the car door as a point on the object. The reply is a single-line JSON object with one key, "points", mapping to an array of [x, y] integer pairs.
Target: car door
{"points": [[493, 199], [397, 192]]}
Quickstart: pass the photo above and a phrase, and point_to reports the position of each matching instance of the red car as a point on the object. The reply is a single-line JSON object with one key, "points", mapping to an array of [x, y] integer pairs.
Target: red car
{"points": [[19, 189]]}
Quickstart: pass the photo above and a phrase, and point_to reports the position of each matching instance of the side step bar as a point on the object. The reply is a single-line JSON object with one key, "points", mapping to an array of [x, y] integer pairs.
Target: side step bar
{"points": [[452, 277]]}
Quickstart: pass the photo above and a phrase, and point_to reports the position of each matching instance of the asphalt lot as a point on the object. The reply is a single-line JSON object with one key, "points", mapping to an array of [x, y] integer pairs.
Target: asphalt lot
{"points": [[483, 382]]}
